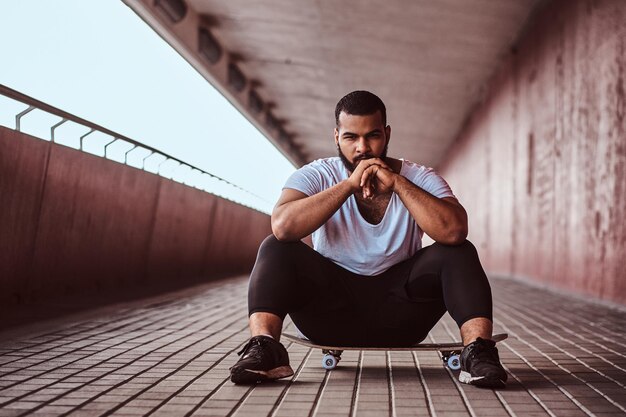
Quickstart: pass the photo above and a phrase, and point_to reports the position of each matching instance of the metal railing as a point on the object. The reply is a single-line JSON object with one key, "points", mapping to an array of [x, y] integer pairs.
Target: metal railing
{"points": [[253, 200]]}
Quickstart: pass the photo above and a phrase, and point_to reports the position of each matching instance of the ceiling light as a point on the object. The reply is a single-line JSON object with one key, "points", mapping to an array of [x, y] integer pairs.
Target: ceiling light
{"points": [[236, 79], [208, 46], [174, 10], [271, 121], [255, 102]]}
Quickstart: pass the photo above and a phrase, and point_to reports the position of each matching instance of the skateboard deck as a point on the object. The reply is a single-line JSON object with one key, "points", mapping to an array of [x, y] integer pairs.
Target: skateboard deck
{"points": [[450, 352]]}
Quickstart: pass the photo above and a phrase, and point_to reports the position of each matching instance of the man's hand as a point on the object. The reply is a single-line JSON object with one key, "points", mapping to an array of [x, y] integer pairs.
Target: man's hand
{"points": [[372, 177]]}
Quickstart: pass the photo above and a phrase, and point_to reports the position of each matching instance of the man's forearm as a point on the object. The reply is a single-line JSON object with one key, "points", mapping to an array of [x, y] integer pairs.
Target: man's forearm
{"points": [[443, 221], [294, 220]]}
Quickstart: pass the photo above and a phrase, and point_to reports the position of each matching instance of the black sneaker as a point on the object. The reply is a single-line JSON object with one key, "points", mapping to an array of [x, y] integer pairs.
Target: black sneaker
{"points": [[480, 365], [262, 359]]}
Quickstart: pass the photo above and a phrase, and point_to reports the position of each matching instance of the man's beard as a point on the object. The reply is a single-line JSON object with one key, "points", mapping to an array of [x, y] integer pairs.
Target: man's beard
{"points": [[351, 167]]}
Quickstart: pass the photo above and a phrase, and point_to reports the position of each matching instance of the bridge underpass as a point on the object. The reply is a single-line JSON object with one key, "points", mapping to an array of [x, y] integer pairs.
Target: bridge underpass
{"points": [[170, 320]]}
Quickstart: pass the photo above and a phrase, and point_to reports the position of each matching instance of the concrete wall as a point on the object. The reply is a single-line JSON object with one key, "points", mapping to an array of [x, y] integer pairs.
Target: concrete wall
{"points": [[73, 223], [541, 165]]}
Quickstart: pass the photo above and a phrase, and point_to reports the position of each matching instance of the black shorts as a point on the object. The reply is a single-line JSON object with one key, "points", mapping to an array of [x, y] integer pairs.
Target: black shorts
{"points": [[398, 307]]}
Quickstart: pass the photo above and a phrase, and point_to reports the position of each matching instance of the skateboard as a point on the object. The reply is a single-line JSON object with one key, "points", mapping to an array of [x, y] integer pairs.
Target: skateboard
{"points": [[450, 352]]}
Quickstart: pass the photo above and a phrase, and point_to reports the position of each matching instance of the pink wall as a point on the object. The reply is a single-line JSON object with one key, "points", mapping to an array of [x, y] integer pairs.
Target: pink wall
{"points": [[541, 164], [72, 223]]}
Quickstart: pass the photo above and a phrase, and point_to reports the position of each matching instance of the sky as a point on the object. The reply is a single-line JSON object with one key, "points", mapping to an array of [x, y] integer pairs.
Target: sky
{"points": [[98, 60]]}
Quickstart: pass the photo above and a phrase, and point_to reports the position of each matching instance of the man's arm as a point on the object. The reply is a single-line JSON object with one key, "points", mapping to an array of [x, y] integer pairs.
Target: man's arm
{"points": [[443, 219], [297, 215]]}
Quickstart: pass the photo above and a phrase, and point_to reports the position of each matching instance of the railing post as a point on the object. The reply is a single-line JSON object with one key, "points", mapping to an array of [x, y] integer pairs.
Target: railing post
{"points": [[53, 128], [107, 146], [84, 136], [18, 117]]}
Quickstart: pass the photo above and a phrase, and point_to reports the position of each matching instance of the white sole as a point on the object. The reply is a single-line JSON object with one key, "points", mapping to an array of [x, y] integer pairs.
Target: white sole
{"points": [[466, 378]]}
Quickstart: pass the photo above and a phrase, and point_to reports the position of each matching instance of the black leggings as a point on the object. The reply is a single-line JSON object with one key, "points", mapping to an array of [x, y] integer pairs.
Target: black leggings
{"points": [[332, 305]]}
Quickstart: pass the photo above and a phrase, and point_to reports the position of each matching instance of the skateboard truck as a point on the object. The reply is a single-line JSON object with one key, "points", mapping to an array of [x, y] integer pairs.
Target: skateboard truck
{"points": [[451, 359], [331, 358]]}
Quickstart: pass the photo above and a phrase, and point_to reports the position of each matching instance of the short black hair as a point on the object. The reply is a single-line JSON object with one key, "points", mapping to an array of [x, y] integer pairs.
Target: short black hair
{"points": [[361, 103]]}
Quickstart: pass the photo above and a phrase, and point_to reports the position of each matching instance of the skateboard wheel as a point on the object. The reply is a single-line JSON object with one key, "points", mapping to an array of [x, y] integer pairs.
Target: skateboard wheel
{"points": [[329, 362], [454, 362]]}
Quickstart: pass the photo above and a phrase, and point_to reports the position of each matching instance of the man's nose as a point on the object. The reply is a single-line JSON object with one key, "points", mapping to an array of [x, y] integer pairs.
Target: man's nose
{"points": [[362, 145]]}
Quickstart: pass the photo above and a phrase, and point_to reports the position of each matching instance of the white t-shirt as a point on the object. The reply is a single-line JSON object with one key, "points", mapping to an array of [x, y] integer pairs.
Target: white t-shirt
{"points": [[347, 238]]}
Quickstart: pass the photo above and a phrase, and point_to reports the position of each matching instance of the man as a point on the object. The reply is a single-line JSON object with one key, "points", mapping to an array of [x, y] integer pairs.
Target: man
{"points": [[368, 281]]}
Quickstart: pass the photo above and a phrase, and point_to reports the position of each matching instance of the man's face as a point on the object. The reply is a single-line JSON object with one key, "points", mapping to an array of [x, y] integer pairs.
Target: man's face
{"points": [[361, 137]]}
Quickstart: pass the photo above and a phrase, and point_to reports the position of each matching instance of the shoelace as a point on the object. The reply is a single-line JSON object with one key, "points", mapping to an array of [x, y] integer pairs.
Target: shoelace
{"points": [[484, 352], [254, 345]]}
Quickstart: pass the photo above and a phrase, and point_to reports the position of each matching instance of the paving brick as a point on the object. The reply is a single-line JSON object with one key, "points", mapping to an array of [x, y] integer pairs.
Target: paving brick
{"points": [[160, 355]]}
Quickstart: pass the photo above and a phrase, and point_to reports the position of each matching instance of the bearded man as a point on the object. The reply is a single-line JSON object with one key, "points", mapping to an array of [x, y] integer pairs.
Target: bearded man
{"points": [[367, 281]]}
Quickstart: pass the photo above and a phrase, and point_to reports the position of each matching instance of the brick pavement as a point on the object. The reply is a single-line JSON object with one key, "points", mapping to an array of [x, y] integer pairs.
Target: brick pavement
{"points": [[169, 356]]}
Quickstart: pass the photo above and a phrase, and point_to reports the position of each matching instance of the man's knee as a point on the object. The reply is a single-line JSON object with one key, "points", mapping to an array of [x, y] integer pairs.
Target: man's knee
{"points": [[463, 250], [464, 246], [269, 242], [272, 245]]}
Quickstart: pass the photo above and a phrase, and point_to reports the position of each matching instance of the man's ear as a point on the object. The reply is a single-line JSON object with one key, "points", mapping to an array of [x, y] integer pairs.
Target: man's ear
{"points": [[388, 133], [336, 137]]}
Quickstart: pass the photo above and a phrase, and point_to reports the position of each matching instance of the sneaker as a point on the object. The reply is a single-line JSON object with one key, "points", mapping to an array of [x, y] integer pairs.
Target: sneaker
{"points": [[262, 359], [480, 365]]}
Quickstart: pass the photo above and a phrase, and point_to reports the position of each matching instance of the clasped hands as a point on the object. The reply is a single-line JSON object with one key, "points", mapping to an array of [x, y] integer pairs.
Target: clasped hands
{"points": [[373, 177]]}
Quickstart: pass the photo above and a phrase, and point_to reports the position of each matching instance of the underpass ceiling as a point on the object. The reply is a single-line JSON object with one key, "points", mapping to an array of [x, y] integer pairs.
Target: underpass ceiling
{"points": [[430, 62]]}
